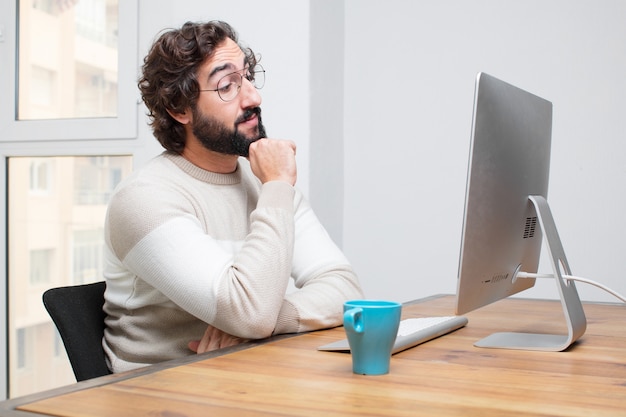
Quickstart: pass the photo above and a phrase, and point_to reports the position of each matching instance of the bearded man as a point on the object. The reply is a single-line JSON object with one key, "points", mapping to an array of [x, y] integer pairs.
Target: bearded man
{"points": [[202, 241]]}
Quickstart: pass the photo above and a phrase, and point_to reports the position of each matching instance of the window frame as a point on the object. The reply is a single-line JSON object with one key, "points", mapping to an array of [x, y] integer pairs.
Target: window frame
{"points": [[65, 137], [124, 126]]}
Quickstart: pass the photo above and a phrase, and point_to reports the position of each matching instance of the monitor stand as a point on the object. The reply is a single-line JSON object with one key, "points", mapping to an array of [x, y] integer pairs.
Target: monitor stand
{"points": [[572, 307]]}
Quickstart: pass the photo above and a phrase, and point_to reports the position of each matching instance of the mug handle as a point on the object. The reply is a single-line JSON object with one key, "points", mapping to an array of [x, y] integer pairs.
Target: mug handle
{"points": [[353, 319]]}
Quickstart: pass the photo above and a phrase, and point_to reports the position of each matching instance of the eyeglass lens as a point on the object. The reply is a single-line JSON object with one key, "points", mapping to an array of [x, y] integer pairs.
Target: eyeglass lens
{"points": [[228, 87]]}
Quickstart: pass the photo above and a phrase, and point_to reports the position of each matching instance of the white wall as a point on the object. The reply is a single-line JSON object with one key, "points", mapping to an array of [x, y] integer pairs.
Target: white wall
{"points": [[409, 82]]}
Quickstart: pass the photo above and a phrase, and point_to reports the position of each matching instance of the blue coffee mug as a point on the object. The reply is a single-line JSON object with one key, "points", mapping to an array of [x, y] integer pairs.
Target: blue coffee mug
{"points": [[371, 327]]}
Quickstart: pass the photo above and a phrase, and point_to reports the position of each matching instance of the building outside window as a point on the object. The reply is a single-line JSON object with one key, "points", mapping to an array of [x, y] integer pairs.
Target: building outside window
{"points": [[67, 69], [55, 239], [69, 132]]}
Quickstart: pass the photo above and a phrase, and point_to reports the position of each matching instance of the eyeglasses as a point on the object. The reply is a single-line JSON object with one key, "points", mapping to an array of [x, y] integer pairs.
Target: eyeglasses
{"points": [[229, 85]]}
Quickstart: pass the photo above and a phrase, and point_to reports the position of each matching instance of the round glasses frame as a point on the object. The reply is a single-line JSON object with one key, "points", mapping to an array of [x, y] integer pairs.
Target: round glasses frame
{"points": [[229, 85]]}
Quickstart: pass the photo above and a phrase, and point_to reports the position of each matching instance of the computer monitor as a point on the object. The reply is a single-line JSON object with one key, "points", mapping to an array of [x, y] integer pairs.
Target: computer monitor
{"points": [[506, 212]]}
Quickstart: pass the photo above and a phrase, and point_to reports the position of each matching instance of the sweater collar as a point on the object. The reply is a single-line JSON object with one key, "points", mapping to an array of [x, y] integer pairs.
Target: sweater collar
{"points": [[204, 175]]}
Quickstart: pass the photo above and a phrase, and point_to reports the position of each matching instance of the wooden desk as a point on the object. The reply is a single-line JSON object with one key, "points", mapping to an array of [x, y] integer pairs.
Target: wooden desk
{"points": [[444, 377]]}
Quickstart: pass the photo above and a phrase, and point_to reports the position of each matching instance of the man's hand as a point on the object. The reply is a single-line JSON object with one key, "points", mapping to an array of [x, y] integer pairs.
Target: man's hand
{"points": [[214, 339], [274, 160]]}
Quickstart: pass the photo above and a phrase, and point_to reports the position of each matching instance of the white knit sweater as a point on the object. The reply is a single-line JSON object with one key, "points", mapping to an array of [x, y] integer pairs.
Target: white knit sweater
{"points": [[186, 247]]}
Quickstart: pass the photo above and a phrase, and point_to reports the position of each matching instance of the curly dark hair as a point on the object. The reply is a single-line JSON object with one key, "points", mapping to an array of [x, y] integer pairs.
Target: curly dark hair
{"points": [[169, 75]]}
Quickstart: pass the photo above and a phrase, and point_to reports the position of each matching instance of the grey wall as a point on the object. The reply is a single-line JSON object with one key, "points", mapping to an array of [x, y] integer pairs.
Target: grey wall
{"points": [[409, 82], [327, 102], [378, 96]]}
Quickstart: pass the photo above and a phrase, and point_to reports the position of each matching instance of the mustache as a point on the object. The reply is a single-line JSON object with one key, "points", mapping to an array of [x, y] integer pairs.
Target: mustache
{"points": [[248, 114]]}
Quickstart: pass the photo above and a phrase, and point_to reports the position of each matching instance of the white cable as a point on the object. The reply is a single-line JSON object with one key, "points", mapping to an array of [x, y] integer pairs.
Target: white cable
{"points": [[574, 278]]}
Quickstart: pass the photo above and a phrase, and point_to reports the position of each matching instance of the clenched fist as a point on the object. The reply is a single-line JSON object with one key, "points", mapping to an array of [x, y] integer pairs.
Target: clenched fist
{"points": [[274, 160]]}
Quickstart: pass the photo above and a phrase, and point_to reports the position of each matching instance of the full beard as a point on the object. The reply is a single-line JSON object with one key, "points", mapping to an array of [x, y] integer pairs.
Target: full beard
{"points": [[217, 137]]}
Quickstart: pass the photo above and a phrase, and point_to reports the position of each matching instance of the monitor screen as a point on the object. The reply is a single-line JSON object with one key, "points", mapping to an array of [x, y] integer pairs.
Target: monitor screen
{"points": [[508, 172]]}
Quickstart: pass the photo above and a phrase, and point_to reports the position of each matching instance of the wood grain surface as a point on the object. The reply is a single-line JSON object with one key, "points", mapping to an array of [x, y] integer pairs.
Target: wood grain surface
{"points": [[444, 377]]}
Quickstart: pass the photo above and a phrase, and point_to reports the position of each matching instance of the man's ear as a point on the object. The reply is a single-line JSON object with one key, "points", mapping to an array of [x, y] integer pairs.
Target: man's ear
{"points": [[182, 118]]}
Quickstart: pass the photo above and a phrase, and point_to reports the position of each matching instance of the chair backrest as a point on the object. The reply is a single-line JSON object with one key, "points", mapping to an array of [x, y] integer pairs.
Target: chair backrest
{"points": [[77, 313]]}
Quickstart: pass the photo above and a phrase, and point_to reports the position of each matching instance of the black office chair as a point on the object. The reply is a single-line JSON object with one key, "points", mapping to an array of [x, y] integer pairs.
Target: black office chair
{"points": [[77, 313]]}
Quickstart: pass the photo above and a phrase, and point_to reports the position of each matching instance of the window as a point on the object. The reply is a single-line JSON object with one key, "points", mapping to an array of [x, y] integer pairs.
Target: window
{"points": [[96, 177], [67, 74], [41, 171], [22, 345], [68, 135], [42, 95], [54, 239], [40, 266], [88, 249], [59, 348], [72, 70]]}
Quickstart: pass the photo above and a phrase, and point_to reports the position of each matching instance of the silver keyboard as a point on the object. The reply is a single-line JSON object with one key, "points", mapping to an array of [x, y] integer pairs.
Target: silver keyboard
{"points": [[412, 332]]}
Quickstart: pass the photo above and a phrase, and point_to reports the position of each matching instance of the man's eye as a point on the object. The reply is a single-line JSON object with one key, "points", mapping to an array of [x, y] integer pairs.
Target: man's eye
{"points": [[226, 87]]}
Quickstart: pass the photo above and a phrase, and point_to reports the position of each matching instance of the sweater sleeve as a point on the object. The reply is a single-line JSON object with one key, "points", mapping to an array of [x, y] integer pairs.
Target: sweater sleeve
{"points": [[323, 277], [237, 286], [250, 296]]}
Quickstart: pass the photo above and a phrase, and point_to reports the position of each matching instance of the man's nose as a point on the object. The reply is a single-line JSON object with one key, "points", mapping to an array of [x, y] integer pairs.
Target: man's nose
{"points": [[250, 96]]}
